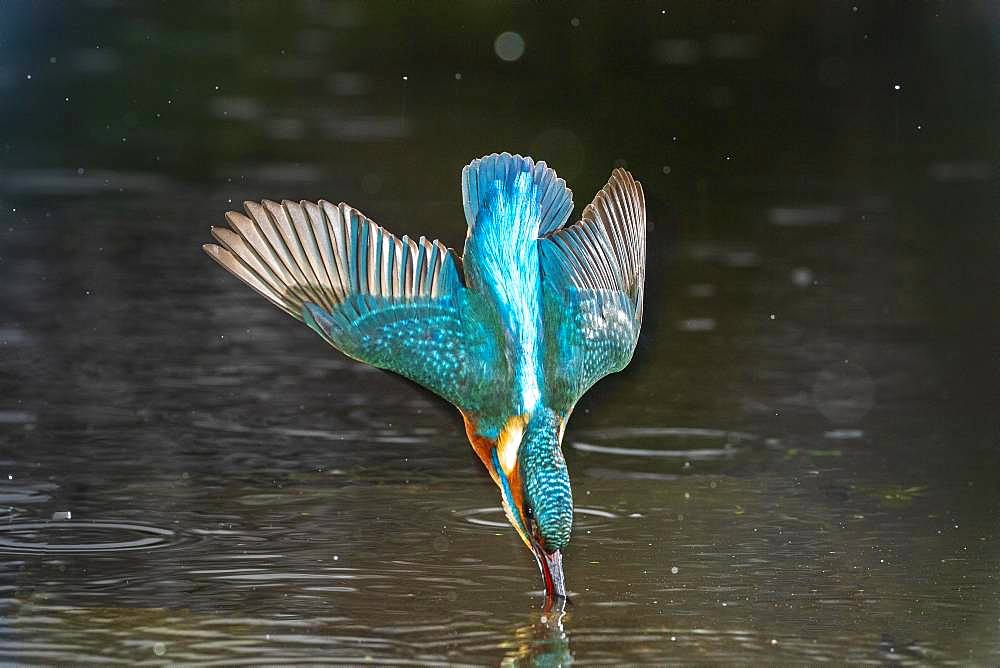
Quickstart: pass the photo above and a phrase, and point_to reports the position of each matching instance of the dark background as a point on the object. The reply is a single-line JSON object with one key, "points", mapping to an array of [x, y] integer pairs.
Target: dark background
{"points": [[809, 429]]}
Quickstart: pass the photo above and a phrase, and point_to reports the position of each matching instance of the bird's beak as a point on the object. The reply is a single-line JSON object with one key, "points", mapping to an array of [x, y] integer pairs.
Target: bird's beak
{"points": [[512, 497], [550, 565]]}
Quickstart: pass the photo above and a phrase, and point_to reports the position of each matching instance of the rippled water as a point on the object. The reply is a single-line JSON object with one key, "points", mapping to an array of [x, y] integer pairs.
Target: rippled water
{"points": [[800, 463]]}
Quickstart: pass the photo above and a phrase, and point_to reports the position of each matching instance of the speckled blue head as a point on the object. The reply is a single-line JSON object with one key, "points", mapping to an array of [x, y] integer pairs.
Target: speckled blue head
{"points": [[547, 494]]}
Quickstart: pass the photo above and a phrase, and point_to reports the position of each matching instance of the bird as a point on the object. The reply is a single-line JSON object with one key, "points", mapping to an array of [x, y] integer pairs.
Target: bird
{"points": [[512, 332]]}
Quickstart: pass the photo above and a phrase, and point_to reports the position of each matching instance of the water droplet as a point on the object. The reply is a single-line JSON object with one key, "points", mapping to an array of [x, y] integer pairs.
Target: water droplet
{"points": [[159, 648]]}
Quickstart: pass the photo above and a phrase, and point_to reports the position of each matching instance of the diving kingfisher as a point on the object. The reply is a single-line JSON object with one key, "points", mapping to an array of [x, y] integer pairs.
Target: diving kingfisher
{"points": [[512, 333]]}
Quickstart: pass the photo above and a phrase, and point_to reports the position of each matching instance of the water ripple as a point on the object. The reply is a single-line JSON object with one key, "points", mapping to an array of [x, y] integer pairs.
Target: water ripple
{"points": [[583, 517], [723, 444], [40, 537]]}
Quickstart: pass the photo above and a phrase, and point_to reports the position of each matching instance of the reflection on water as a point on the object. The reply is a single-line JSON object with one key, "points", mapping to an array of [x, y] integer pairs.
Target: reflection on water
{"points": [[799, 464], [542, 643]]}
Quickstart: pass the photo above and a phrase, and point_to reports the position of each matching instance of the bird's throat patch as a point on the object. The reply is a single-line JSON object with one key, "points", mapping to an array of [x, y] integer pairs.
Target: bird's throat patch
{"points": [[509, 442]]}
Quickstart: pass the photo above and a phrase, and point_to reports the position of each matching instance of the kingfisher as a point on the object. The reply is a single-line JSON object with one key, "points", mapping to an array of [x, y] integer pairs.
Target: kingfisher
{"points": [[512, 332]]}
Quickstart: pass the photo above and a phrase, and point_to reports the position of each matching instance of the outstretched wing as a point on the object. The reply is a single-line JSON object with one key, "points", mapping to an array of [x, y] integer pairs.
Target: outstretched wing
{"points": [[593, 274], [397, 304]]}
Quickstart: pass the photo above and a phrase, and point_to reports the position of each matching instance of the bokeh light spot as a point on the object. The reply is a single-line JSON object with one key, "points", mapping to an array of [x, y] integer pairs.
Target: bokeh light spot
{"points": [[509, 46]]}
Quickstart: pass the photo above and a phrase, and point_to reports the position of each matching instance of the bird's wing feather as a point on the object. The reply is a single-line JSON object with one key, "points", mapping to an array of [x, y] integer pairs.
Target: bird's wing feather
{"points": [[394, 303], [593, 276]]}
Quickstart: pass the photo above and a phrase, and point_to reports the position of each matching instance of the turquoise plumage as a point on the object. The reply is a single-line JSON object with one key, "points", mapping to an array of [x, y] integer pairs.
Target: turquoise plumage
{"points": [[535, 314]]}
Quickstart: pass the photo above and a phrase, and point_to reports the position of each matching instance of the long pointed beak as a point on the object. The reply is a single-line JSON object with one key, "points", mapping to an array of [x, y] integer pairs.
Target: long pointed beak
{"points": [[550, 565]]}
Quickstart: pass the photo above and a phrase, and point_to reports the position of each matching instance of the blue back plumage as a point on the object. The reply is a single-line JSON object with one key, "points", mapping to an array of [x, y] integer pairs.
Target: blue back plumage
{"points": [[510, 202]]}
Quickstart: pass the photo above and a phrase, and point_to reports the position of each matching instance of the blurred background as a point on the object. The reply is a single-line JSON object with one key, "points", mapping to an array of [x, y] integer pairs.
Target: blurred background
{"points": [[800, 463]]}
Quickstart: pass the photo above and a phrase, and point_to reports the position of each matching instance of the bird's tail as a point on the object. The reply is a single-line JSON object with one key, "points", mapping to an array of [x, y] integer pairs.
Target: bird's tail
{"points": [[510, 196]]}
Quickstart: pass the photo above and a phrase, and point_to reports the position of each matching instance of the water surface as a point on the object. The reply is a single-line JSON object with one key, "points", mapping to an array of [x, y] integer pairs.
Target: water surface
{"points": [[800, 463]]}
